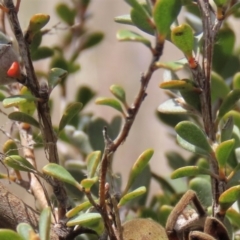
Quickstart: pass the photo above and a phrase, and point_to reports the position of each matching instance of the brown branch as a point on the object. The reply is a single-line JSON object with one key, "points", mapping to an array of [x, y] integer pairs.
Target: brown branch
{"points": [[42, 107], [203, 78], [111, 146]]}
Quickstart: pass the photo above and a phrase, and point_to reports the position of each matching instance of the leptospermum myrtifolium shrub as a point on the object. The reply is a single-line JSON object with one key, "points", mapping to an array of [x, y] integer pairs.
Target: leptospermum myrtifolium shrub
{"points": [[203, 108]]}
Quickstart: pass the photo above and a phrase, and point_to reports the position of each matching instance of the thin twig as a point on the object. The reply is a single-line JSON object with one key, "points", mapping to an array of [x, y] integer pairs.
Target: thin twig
{"points": [[42, 107]]}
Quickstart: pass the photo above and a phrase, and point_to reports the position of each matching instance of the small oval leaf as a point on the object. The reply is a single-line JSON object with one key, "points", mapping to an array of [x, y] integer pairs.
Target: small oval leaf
{"points": [[93, 160], [87, 183], [60, 173], [124, 19], [189, 171], [24, 117], [138, 167], [19, 163], [72, 110], [109, 102], [228, 103], [127, 35], [194, 135], [92, 40], [229, 197], [42, 53], [14, 101], [129, 196], [223, 151], [165, 12], [10, 148], [118, 92], [55, 76], [182, 37], [86, 218]]}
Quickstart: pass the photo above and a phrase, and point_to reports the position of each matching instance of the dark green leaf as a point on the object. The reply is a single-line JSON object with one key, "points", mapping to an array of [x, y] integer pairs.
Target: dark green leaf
{"points": [[194, 135], [60, 173], [19, 163], [42, 53], [228, 103], [65, 13], [55, 76], [202, 187], [92, 40], [142, 21], [23, 117], [84, 95], [175, 160], [71, 110], [165, 12]]}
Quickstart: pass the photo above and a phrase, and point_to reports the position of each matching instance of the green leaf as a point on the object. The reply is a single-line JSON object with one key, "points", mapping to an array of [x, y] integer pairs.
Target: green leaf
{"points": [[219, 88], [129, 196], [189, 171], [19, 163], [14, 101], [86, 218], [55, 76], [229, 197], [138, 167], [24, 230], [37, 22], [6, 234], [10, 148], [182, 37], [142, 21], [228, 103], [24, 117], [164, 212], [45, 224], [87, 183], [109, 102], [42, 53], [84, 95], [165, 12], [93, 160], [223, 151], [138, 7], [202, 187], [234, 216], [181, 85], [124, 19], [65, 13], [235, 119], [236, 81], [190, 147], [60, 173], [127, 35], [118, 92], [194, 135], [92, 40], [74, 211], [28, 107], [175, 160], [71, 110]]}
